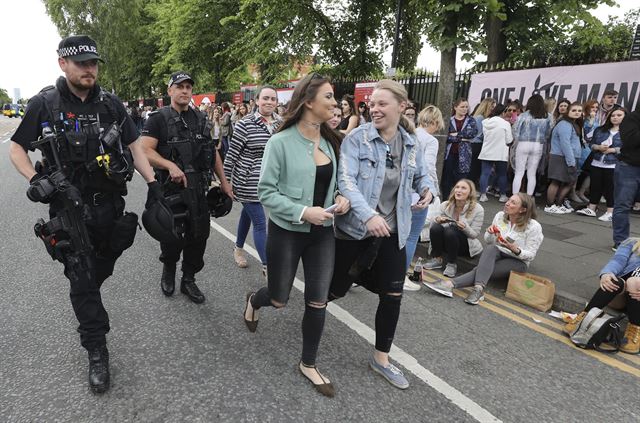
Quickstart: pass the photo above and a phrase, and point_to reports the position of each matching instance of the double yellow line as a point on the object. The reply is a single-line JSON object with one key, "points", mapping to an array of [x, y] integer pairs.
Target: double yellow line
{"points": [[548, 327]]}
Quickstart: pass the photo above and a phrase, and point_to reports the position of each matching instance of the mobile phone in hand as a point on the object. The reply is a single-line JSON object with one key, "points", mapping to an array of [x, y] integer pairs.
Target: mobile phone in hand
{"points": [[509, 239], [332, 208]]}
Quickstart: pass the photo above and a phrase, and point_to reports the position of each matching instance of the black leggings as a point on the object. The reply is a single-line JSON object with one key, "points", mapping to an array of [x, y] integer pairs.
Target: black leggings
{"points": [[284, 251], [601, 184], [385, 278], [602, 298], [448, 238]]}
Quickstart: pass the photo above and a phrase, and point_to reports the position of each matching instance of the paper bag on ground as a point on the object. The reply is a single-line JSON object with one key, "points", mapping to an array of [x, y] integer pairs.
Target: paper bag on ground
{"points": [[532, 290]]}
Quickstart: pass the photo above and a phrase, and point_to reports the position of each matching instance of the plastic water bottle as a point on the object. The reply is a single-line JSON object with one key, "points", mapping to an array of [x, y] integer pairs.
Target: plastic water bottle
{"points": [[417, 270]]}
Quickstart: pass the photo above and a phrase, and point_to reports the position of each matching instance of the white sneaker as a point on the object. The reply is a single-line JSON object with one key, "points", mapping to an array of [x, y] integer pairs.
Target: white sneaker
{"points": [[503, 198], [552, 209], [410, 285], [563, 210], [483, 198], [607, 217], [587, 212]]}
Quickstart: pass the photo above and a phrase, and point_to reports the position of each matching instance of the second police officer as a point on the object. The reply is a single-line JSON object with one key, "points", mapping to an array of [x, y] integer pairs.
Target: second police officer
{"points": [[89, 145], [178, 144]]}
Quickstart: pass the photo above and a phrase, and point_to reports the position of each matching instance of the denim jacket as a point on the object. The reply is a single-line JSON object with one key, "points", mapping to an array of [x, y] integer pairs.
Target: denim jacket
{"points": [[361, 176], [566, 142], [530, 129], [624, 261], [600, 136]]}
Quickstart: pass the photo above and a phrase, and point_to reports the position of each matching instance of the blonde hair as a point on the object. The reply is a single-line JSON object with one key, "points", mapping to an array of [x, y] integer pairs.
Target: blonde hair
{"points": [[523, 219], [400, 94], [471, 200], [550, 104], [485, 107], [431, 114]]}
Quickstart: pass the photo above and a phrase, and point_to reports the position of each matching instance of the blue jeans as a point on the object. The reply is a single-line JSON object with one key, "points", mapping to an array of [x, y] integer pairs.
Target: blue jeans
{"points": [[418, 217], [450, 175], [626, 184], [253, 213], [501, 175]]}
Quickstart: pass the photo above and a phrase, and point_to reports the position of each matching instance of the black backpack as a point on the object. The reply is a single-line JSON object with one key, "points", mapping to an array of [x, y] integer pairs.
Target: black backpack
{"points": [[597, 328]]}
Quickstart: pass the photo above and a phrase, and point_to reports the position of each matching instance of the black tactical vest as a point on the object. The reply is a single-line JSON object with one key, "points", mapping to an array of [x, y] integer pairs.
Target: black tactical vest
{"points": [[89, 162]]}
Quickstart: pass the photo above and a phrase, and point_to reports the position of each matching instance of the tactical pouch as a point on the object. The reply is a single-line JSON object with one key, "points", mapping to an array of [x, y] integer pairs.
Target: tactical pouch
{"points": [[123, 232], [77, 146]]}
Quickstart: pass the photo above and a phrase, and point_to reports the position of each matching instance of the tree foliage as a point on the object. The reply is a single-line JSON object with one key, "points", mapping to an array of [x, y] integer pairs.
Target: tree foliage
{"points": [[4, 96]]}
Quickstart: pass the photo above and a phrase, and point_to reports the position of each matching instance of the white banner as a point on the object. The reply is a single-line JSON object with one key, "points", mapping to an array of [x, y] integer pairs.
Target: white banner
{"points": [[576, 83]]}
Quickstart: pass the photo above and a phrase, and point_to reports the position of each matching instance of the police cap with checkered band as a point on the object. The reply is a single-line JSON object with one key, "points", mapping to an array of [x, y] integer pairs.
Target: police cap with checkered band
{"points": [[178, 77], [78, 48]]}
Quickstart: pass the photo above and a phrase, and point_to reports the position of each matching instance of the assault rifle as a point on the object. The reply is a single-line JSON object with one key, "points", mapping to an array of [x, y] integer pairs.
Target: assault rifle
{"points": [[65, 236]]}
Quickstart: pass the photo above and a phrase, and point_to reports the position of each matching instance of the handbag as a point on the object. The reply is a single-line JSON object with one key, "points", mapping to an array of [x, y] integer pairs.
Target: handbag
{"points": [[532, 290], [586, 165], [597, 328]]}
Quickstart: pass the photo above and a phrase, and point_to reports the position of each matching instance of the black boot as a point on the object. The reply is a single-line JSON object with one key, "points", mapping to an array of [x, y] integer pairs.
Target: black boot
{"points": [[99, 369], [168, 281], [189, 288]]}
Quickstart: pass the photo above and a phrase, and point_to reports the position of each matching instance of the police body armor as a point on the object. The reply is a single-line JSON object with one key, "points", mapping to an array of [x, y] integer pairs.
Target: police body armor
{"points": [[84, 155], [193, 152]]}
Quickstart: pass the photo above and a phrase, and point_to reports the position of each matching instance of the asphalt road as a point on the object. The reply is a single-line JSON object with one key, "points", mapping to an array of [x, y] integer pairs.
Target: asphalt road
{"points": [[175, 361]]}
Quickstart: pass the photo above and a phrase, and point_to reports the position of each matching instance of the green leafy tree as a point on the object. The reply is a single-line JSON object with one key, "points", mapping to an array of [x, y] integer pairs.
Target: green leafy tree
{"points": [[188, 35], [584, 41], [4, 96]]}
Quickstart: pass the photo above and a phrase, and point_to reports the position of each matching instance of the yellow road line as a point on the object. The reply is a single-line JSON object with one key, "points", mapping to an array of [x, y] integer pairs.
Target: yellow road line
{"points": [[604, 358], [607, 359]]}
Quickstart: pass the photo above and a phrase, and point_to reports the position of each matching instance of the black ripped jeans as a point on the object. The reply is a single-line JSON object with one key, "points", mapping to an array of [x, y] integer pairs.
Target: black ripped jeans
{"points": [[285, 249], [385, 278]]}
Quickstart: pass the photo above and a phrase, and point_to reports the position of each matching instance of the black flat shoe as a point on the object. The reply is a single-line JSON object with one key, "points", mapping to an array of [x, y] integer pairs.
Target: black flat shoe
{"points": [[168, 280], [189, 288], [325, 388], [252, 324]]}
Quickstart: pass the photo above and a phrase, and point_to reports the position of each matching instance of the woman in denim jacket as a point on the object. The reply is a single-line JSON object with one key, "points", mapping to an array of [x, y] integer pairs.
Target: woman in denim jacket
{"points": [[380, 167], [605, 144], [458, 154], [563, 160], [619, 280]]}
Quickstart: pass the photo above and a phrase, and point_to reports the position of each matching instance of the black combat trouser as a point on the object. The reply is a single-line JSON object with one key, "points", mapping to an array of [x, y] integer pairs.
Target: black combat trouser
{"points": [[85, 285], [192, 248]]}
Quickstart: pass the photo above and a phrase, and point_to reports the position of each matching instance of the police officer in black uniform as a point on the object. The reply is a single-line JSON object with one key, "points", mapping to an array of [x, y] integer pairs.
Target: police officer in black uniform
{"points": [[178, 144], [88, 143]]}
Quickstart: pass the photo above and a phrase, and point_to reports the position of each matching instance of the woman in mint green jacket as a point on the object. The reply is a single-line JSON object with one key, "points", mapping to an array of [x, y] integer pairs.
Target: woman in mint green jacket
{"points": [[297, 186]]}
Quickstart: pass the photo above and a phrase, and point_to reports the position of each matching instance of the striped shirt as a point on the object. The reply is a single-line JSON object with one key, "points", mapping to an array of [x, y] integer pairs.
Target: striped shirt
{"points": [[243, 161]]}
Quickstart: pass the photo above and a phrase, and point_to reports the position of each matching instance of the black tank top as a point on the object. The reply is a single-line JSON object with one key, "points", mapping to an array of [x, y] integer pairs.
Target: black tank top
{"points": [[323, 179]]}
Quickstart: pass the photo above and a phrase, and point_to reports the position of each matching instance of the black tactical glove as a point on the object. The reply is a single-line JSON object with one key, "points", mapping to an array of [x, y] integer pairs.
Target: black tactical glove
{"points": [[154, 194], [41, 190]]}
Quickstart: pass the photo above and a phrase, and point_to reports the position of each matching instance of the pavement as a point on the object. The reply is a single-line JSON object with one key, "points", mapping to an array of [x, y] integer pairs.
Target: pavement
{"points": [[574, 250], [175, 361]]}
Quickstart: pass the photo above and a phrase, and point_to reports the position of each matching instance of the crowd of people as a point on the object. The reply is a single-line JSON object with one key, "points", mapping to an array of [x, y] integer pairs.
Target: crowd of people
{"points": [[346, 189]]}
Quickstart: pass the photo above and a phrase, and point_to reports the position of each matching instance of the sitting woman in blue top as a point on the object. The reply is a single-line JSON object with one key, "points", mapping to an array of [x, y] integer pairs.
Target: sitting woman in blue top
{"points": [[605, 144], [297, 186], [566, 149], [381, 165], [619, 281]]}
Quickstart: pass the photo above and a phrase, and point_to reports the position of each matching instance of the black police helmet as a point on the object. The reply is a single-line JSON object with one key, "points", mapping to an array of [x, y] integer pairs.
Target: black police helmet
{"points": [[158, 220], [219, 203]]}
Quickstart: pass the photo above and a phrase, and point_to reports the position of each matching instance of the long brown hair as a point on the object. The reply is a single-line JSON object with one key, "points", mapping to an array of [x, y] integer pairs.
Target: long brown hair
{"points": [[306, 90], [523, 219]]}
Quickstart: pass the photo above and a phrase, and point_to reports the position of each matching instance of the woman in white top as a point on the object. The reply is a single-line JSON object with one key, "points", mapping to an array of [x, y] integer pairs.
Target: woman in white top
{"points": [[497, 136], [512, 243], [430, 121]]}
